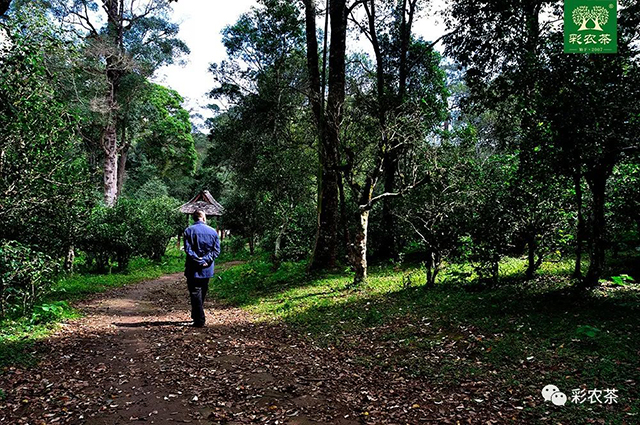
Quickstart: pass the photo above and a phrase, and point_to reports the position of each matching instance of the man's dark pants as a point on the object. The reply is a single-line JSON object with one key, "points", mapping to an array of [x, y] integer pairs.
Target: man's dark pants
{"points": [[197, 292]]}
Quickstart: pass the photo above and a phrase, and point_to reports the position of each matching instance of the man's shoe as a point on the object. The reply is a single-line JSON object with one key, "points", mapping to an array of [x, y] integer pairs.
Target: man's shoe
{"points": [[198, 325]]}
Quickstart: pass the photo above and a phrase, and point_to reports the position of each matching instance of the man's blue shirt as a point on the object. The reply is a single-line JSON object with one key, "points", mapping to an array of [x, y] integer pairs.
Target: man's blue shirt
{"points": [[202, 246]]}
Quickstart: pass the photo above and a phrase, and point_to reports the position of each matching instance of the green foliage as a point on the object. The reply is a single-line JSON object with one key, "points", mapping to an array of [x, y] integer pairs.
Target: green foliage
{"points": [[260, 145], [165, 139], [623, 206], [49, 312], [76, 286], [43, 171], [161, 220], [152, 188], [491, 222], [235, 244], [518, 337], [26, 275], [587, 331], [622, 280], [563, 115], [439, 211], [131, 227]]}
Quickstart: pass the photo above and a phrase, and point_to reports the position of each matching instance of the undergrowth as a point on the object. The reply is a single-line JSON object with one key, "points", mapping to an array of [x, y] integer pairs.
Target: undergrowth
{"points": [[521, 335]]}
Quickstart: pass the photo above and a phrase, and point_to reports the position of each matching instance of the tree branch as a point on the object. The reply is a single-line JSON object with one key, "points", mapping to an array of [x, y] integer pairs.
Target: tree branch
{"points": [[402, 192]]}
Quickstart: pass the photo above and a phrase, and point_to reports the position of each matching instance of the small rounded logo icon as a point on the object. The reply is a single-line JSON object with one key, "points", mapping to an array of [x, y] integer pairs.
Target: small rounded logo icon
{"points": [[559, 399], [548, 391]]}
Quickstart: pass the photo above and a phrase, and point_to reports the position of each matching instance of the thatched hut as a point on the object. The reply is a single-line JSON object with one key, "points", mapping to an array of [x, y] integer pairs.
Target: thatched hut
{"points": [[205, 202]]}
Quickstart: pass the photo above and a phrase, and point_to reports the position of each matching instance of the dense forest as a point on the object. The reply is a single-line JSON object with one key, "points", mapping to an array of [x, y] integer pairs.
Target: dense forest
{"points": [[340, 143], [326, 149]]}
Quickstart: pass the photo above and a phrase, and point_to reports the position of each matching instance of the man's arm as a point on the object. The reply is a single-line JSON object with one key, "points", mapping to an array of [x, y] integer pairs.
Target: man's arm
{"points": [[215, 251], [189, 251]]}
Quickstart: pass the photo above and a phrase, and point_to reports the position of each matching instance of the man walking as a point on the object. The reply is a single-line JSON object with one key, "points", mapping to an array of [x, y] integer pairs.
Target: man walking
{"points": [[202, 246]]}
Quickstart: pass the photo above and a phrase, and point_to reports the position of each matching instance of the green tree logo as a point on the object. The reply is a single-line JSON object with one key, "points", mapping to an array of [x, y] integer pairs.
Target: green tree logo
{"points": [[590, 26], [597, 14]]}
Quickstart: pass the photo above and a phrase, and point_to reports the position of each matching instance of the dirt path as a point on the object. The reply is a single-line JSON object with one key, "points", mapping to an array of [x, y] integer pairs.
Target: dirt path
{"points": [[134, 358]]}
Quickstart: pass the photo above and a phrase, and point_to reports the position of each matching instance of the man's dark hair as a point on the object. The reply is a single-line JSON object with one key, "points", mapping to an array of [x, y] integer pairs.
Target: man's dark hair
{"points": [[199, 214]]}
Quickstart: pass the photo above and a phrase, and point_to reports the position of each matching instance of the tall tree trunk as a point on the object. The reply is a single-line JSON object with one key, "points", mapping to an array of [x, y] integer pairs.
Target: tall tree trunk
{"points": [[389, 160], [325, 48], [577, 271], [115, 31], [325, 250], [597, 181], [122, 157], [389, 240], [326, 244]]}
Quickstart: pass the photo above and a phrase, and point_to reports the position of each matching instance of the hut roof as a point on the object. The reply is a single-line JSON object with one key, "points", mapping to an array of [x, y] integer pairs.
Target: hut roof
{"points": [[205, 202]]}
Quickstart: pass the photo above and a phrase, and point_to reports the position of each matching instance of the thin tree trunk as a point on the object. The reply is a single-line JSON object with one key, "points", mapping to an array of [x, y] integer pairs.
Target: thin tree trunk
{"points": [[389, 161], [432, 266], [389, 241], [359, 260], [122, 157], [577, 271], [532, 246], [69, 259], [110, 148], [251, 244], [495, 270], [388, 237], [277, 254], [597, 183], [122, 163]]}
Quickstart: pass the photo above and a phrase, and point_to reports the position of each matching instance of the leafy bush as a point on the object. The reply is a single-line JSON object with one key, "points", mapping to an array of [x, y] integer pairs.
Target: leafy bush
{"points": [[235, 244], [160, 221], [153, 188], [131, 227], [110, 235], [44, 179], [45, 313], [25, 275]]}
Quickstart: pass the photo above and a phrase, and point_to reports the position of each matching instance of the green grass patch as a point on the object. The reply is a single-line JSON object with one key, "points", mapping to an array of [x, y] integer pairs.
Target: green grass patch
{"points": [[519, 335], [140, 269]]}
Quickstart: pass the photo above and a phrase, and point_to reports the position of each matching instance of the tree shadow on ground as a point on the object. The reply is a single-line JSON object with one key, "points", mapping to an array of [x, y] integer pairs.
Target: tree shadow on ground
{"points": [[176, 323]]}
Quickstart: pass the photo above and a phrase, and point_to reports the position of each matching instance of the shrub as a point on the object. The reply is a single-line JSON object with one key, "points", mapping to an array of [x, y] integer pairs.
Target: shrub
{"points": [[160, 221], [25, 275], [49, 312], [132, 227]]}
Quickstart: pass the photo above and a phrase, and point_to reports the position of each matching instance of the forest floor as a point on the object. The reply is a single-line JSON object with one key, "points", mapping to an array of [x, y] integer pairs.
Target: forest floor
{"points": [[134, 358]]}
